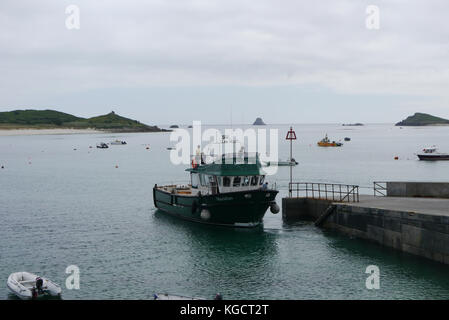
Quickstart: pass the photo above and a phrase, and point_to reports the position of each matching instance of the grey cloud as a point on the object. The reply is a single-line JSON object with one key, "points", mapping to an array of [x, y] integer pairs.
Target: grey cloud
{"points": [[199, 42]]}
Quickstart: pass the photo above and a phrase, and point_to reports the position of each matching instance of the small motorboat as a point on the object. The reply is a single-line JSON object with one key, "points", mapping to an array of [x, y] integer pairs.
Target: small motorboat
{"points": [[102, 145], [282, 163], [325, 142], [432, 154], [292, 162], [29, 286], [118, 142]]}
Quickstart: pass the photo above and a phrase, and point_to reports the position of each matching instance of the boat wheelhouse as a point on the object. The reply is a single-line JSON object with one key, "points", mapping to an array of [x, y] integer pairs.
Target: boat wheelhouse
{"points": [[227, 191]]}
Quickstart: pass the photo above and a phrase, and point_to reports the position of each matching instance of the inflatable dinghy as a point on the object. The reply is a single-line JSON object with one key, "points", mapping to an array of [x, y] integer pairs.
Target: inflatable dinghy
{"points": [[28, 286]]}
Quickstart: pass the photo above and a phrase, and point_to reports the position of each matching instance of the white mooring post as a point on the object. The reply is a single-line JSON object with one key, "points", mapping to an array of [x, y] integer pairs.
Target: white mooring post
{"points": [[291, 135]]}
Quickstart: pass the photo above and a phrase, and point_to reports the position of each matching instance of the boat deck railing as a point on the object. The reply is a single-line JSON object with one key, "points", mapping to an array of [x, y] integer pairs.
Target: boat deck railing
{"points": [[227, 158], [324, 191]]}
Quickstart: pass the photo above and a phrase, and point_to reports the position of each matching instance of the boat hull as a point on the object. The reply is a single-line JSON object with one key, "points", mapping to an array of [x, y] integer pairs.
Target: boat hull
{"points": [[236, 209], [428, 157], [22, 285], [329, 144]]}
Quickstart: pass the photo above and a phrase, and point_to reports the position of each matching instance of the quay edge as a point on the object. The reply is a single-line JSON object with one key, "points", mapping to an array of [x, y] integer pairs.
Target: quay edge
{"points": [[381, 220]]}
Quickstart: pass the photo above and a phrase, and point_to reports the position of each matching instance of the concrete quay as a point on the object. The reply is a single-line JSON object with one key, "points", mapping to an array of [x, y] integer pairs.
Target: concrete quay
{"points": [[417, 189], [419, 226]]}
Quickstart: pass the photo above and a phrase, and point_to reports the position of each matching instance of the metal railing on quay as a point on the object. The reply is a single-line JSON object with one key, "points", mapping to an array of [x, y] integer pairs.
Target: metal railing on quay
{"points": [[324, 191]]}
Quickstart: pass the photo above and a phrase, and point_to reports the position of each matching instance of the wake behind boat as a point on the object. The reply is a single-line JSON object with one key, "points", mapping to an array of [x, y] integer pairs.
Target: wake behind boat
{"points": [[432, 154], [29, 286]]}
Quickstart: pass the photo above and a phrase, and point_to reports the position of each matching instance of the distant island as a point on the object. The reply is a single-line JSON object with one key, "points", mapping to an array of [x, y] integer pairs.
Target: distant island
{"points": [[352, 124], [174, 126], [423, 119], [259, 122], [51, 119]]}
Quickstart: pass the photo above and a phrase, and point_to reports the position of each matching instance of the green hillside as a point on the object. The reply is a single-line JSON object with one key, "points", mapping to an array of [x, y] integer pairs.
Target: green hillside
{"points": [[114, 121], [36, 117], [40, 119], [423, 119]]}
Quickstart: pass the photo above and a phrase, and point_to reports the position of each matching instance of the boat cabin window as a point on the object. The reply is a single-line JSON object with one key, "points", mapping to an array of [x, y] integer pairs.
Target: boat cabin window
{"points": [[226, 181], [195, 180], [236, 182], [262, 178], [254, 180], [211, 180], [204, 180], [245, 181]]}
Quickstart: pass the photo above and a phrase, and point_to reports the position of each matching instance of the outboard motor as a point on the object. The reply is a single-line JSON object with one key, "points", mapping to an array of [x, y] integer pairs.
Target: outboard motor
{"points": [[218, 297], [39, 285], [34, 293]]}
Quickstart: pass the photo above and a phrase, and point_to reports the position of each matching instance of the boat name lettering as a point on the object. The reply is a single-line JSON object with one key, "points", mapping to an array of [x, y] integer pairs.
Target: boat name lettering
{"points": [[225, 198]]}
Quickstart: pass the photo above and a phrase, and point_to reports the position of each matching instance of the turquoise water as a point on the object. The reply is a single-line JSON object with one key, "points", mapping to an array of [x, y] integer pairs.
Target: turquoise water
{"points": [[60, 207]]}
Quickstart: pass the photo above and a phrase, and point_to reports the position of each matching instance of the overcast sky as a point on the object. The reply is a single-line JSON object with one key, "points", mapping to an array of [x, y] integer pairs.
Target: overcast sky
{"points": [[174, 61]]}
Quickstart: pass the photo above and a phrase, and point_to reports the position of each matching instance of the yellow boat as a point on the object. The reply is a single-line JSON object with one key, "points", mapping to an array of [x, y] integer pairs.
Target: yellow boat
{"points": [[325, 142]]}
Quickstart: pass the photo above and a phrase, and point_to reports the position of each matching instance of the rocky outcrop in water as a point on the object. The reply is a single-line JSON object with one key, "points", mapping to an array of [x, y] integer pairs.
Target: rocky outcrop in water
{"points": [[259, 122]]}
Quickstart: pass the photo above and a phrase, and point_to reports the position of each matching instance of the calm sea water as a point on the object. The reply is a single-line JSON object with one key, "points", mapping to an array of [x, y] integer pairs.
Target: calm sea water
{"points": [[60, 207]]}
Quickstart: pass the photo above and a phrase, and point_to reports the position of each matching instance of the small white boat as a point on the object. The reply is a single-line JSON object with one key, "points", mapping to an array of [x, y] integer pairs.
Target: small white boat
{"points": [[432, 154], [282, 163], [118, 142], [102, 145], [28, 286]]}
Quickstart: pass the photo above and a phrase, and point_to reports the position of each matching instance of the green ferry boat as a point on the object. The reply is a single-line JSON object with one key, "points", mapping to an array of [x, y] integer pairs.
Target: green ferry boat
{"points": [[229, 192]]}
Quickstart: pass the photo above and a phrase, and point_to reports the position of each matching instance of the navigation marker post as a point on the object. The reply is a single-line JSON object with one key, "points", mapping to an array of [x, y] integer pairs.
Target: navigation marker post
{"points": [[291, 135]]}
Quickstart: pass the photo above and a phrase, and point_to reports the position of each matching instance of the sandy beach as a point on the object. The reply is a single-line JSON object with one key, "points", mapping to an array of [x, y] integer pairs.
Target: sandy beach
{"points": [[26, 132]]}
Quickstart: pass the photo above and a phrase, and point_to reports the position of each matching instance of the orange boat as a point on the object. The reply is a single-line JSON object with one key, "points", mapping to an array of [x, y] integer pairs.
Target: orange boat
{"points": [[325, 142]]}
